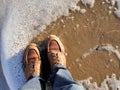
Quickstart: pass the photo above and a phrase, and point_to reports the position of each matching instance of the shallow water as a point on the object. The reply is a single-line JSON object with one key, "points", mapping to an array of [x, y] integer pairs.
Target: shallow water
{"points": [[82, 32], [79, 32]]}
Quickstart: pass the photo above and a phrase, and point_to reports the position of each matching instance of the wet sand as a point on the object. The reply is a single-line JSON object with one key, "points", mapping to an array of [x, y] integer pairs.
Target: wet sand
{"points": [[79, 33]]}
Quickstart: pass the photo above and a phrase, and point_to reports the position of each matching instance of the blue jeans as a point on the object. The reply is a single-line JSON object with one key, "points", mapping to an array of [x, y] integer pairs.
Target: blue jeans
{"points": [[60, 79]]}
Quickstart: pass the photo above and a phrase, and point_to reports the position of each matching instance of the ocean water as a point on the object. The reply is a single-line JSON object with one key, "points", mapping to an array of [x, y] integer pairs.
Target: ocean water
{"points": [[117, 3], [21, 20], [109, 81]]}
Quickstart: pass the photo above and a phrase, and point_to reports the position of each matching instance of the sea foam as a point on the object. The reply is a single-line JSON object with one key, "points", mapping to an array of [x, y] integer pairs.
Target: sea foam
{"points": [[24, 19], [109, 83]]}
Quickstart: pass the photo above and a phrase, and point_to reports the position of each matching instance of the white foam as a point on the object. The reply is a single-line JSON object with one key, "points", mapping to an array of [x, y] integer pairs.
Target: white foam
{"points": [[107, 47], [82, 11], [23, 20], [88, 2], [108, 82], [117, 2]]}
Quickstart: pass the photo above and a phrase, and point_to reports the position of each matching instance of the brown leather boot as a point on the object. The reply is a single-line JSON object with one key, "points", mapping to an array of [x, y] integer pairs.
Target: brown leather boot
{"points": [[56, 51], [31, 60]]}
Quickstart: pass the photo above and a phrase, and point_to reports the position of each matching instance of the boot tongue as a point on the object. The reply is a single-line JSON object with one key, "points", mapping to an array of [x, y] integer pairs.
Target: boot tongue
{"points": [[32, 54], [53, 46]]}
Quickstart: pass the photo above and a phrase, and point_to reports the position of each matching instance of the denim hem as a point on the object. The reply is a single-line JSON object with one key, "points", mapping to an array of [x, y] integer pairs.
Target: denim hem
{"points": [[32, 76], [54, 71]]}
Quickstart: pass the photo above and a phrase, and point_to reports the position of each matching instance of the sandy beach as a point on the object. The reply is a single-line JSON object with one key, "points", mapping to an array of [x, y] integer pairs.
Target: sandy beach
{"points": [[89, 30], [81, 32]]}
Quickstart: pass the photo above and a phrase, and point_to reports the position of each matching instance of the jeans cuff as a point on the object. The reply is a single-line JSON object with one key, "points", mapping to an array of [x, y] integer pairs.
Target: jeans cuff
{"points": [[32, 76], [54, 71]]}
